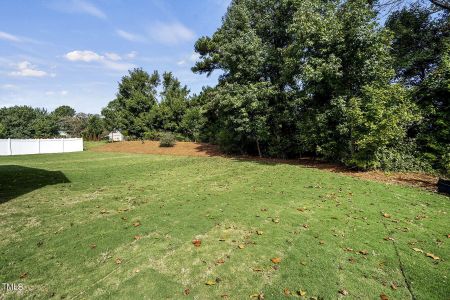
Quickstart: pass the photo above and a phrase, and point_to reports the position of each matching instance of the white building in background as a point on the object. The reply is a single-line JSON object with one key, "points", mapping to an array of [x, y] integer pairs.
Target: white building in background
{"points": [[116, 136]]}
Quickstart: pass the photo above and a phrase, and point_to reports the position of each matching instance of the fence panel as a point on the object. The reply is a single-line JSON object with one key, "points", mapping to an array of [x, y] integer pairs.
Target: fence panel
{"points": [[37, 146]]}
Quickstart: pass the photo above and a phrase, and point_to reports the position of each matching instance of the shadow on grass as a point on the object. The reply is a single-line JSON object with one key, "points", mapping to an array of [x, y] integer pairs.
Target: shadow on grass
{"points": [[18, 180]]}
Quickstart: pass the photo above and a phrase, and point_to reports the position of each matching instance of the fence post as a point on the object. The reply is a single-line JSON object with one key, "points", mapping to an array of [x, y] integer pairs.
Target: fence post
{"points": [[63, 145], [9, 147], [39, 146]]}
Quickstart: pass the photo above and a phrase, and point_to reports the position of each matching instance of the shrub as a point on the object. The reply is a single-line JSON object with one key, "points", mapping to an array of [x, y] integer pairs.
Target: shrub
{"points": [[167, 139], [403, 157]]}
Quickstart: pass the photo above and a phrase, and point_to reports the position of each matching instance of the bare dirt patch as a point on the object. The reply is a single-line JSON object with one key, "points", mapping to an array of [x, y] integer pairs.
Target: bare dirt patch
{"points": [[206, 150], [152, 147]]}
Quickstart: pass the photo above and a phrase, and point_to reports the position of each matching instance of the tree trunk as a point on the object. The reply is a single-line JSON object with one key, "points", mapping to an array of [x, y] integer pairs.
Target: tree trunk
{"points": [[259, 149]]}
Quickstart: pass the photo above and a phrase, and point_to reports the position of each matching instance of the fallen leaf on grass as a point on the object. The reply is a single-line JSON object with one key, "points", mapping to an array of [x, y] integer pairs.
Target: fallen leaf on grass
{"points": [[241, 246], [301, 293], [348, 249], [93, 246], [343, 292], [432, 256], [210, 282], [197, 243], [305, 225], [286, 292], [276, 260], [23, 275], [363, 252], [259, 232], [384, 297], [393, 286], [276, 221], [263, 209], [301, 209], [124, 218], [321, 242], [448, 236], [258, 296], [224, 296], [388, 238], [220, 261], [137, 237], [386, 215], [137, 224], [137, 271], [103, 211], [186, 292], [418, 250], [257, 269], [118, 261]]}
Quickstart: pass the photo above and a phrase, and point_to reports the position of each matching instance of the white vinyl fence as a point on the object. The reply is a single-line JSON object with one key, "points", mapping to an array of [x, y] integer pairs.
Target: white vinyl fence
{"points": [[37, 146]]}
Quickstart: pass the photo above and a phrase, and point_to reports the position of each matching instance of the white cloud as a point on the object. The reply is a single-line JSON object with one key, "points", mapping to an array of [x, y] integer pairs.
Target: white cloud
{"points": [[131, 55], [26, 69], [86, 56], [8, 86], [181, 62], [79, 6], [113, 56], [132, 37], [56, 93], [109, 59], [9, 37], [171, 33]]}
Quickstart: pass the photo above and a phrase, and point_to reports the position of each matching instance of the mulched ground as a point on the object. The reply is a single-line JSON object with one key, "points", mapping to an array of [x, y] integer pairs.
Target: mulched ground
{"points": [[200, 149]]}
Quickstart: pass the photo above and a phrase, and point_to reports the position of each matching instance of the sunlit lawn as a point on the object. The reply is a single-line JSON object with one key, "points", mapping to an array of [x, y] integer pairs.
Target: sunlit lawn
{"points": [[99, 225]]}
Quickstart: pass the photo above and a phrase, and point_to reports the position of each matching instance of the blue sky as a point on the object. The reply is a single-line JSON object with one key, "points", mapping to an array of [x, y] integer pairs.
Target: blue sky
{"points": [[74, 52]]}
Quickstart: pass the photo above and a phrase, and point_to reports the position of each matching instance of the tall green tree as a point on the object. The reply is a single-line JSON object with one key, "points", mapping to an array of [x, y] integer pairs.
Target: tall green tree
{"points": [[135, 98]]}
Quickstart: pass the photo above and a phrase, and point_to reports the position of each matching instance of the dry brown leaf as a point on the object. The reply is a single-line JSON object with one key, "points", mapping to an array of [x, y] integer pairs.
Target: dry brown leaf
{"points": [[258, 296], [418, 250], [103, 211], [241, 246], [384, 297], [23, 275], [363, 252], [348, 249], [137, 237], [388, 238], [432, 256], [276, 260], [286, 292], [186, 292], [343, 292], [305, 225], [263, 209], [257, 269], [137, 224], [197, 243], [136, 270], [276, 220], [301, 293], [118, 260], [220, 261], [321, 242], [210, 282], [301, 209], [259, 232], [393, 286], [93, 246]]}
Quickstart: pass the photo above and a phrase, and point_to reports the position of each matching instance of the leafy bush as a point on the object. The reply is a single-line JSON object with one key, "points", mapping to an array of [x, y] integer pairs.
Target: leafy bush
{"points": [[404, 157], [167, 139]]}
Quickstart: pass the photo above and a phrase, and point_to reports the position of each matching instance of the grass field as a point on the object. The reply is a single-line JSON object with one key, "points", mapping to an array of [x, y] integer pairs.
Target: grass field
{"points": [[109, 225]]}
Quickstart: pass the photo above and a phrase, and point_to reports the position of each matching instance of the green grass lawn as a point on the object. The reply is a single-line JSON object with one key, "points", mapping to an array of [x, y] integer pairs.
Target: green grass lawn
{"points": [[105, 225]]}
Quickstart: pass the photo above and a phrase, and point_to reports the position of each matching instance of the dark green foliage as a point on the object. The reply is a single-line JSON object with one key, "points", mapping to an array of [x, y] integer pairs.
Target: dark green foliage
{"points": [[95, 128], [167, 139], [139, 111], [27, 122]]}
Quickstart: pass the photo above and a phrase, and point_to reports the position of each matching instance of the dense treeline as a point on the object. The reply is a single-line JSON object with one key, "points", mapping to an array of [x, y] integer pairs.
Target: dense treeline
{"points": [[298, 78], [324, 79], [140, 111], [26, 122]]}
